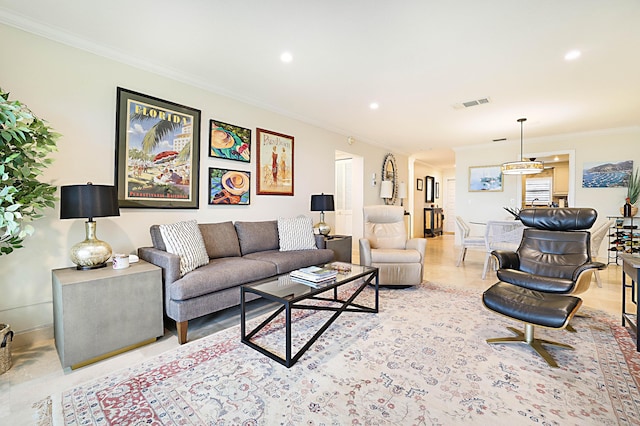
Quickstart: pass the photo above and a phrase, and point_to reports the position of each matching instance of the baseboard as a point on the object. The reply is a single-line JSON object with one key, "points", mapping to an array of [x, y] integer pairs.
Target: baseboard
{"points": [[31, 337]]}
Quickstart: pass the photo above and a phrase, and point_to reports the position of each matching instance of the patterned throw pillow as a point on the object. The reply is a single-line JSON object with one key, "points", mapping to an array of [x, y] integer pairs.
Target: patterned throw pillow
{"points": [[296, 233], [185, 240]]}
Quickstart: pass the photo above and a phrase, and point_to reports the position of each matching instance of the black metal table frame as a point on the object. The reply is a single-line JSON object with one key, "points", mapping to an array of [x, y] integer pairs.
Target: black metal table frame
{"points": [[289, 304], [630, 268]]}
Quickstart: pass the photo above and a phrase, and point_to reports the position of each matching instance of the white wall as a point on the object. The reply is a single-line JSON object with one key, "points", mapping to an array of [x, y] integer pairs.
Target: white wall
{"points": [[75, 91], [605, 145]]}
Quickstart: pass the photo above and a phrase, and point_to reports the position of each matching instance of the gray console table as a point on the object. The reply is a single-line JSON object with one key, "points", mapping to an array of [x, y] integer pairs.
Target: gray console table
{"points": [[102, 312]]}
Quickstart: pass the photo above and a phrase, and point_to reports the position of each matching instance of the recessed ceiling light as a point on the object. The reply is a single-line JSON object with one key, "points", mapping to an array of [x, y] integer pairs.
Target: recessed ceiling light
{"points": [[571, 55], [286, 57], [374, 105]]}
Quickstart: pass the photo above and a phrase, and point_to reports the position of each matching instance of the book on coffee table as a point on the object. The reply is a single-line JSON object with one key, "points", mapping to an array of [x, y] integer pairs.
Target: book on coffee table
{"points": [[315, 284], [314, 274]]}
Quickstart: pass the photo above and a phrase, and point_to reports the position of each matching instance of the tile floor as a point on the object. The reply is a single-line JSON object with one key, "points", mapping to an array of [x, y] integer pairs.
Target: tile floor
{"points": [[37, 373]]}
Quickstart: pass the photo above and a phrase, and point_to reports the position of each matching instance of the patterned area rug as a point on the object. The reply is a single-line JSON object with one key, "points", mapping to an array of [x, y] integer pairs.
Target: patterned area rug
{"points": [[422, 360]]}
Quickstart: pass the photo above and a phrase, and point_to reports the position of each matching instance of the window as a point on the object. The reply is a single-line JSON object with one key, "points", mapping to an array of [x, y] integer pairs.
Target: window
{"points": [[538, 191]]}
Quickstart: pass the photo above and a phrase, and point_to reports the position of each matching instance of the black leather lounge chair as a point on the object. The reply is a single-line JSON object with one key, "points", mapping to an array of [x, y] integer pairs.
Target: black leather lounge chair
{"points": [[538, 281]]}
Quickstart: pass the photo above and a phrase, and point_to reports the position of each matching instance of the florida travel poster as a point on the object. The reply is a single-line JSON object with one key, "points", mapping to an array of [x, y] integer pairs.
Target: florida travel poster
{"points": [[158, 154]]}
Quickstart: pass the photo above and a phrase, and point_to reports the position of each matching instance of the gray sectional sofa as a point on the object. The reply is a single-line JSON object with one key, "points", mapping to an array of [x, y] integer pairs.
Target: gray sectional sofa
{"points": [[239, 253]]}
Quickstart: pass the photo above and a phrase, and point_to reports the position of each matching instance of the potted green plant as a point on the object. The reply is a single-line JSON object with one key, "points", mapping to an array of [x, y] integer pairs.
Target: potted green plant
{"points": [[633, 191], [25, 143]]}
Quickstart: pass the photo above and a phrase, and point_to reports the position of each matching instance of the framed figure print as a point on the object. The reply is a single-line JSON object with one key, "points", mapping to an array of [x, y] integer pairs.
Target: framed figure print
{"points": [[485, 179], [274, 168], [229, 141], [229, 186], [157, 152]]}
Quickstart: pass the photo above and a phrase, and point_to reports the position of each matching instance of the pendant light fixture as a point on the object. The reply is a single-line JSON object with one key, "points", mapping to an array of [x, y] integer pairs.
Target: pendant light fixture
{"points": [[522, 167]]}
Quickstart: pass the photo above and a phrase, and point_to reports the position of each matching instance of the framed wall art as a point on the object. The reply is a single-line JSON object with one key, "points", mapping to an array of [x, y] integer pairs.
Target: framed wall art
{"points": [[229, 141], [419, 184], [274, 168], [485, 179], [606, 174], [157, 152], [229, 186], [429, 195]]}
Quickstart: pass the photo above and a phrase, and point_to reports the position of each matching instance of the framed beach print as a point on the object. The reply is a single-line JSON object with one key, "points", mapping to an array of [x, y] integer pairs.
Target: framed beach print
{"points": [[157, 152], [485, 179], [274, 167], [229, 186], [229, 141], [607, 174]]}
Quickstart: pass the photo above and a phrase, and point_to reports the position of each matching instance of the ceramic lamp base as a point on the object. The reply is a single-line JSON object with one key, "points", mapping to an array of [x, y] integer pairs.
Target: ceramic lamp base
{"points": [[91, 253], [322, 228]]}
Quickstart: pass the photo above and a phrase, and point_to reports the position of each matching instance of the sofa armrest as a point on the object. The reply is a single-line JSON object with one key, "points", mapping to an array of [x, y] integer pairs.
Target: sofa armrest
{"points": [[321, 243], [419, 244], [365, 252], [169, 262]]}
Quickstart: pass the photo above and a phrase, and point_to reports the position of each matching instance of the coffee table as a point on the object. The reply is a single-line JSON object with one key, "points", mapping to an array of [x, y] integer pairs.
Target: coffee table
{"points": [[288, 295]]}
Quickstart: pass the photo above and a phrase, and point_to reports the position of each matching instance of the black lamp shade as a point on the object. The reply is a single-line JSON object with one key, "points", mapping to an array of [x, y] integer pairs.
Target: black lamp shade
{"points": [[322, 203], [88, 201]]}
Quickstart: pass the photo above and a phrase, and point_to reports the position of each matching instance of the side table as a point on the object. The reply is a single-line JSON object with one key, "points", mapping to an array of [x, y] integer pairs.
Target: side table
{"points": [[103, 312], [341, 246], [631, 267]]}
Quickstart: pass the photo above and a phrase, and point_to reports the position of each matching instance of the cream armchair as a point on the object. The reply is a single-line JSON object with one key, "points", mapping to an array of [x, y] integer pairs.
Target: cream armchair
{"points": [[385, 246]]}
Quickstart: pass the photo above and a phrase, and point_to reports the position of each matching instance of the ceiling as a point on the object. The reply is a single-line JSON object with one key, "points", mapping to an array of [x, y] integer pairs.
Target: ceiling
{"points": [[418, 59]]}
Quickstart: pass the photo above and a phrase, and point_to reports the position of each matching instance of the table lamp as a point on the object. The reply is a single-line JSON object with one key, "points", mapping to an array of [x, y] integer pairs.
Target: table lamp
{"points": [[89, 201], [322, 203], [402, 192], [386, 191]]}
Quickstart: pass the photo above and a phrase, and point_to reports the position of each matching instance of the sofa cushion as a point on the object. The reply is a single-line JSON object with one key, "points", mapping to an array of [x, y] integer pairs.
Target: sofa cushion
{"points": [[395, 256], [257, 236], [184, 239], [296, 233], [220, 239], [220, 274], [291, 260]]}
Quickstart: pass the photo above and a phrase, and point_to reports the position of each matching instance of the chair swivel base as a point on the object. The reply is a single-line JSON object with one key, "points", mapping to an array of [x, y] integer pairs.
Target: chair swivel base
{"points": [[533, 308], [528, 338]]}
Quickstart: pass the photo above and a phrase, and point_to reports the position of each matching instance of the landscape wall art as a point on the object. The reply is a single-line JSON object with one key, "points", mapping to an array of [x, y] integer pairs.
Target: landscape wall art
{"points": [[607, 174]]}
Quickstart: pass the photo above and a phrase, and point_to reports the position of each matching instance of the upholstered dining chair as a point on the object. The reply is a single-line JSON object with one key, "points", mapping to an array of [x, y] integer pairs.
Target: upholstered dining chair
{"points": [[385, 245], [597, 236], [555, 253], [500, 235], [467, 240]]}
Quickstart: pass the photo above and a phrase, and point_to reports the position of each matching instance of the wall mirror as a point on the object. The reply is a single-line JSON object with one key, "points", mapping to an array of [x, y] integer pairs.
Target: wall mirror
{"points": [[429, 195], [390, 173]]}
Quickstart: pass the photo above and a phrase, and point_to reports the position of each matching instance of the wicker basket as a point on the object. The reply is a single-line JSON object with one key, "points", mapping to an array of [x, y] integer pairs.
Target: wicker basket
{"points": [[6, 337]]}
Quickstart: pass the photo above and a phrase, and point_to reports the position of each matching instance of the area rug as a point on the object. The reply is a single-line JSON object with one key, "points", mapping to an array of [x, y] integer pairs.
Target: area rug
{"points": [[422, 360]]}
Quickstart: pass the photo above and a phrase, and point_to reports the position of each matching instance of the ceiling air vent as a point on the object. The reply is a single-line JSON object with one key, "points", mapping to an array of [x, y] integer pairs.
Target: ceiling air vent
{"points": [[472, 103]]}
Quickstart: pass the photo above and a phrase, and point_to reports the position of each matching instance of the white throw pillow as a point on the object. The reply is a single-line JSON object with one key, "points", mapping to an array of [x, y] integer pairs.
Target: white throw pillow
{"points": [[296, 233], [185, 240]]}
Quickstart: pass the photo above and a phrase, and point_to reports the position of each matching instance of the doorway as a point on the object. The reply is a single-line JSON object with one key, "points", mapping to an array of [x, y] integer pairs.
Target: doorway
{"points": [[560, 184], [349, 200]]}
